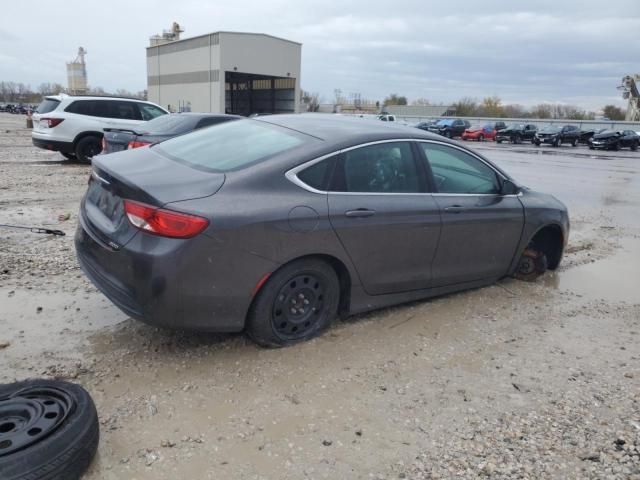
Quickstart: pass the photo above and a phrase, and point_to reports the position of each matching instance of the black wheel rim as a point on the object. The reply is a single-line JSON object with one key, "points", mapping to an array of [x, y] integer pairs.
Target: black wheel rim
{"points": [[527, 265], [29, 415], [91, 150], [299, 305]]}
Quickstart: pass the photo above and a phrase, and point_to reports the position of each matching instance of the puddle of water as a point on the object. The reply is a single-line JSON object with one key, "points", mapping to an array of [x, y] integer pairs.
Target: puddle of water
{"points": [[615, 278]]}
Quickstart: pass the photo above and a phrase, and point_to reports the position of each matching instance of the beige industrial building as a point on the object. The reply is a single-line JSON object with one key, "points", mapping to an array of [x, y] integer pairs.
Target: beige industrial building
{"points": [[232, 72]]}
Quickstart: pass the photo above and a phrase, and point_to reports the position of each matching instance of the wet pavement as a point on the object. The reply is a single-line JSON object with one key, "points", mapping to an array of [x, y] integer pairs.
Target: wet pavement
{"points": [[515, 380]]}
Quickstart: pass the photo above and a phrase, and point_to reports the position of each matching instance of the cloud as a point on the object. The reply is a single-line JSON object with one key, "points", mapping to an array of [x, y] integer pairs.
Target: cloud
{"points": [[520, 51]]}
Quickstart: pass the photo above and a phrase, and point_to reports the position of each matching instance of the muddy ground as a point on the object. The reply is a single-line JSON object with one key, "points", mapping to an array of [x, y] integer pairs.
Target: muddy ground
{"points": [[516, 380]]}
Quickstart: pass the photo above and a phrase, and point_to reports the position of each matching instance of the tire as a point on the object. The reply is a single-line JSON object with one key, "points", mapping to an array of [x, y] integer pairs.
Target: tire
{"points": [[536, 143], [309, 285], [634, 146], [481, 138], [616, 146], [557, 142], [498, 141], [88, 147], [69, 156], [532, 264], [447, 134], [64, 419], [591, 147], [574, 143], [517, 139]]}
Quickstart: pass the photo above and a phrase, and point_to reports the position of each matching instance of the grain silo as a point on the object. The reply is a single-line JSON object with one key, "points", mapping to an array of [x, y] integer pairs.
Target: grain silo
{"points": [[77, 74]]}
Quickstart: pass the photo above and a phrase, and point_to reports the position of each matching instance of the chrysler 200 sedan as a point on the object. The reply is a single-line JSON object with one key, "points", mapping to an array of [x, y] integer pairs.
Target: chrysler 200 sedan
{"points": [[276, 225]]}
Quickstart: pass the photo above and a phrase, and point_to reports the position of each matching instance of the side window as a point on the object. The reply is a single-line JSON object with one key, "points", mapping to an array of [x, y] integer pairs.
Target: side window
{"points": [[149, 112], [381, 168], [317, 175], [101, 109], [81, 107], [124, 110], [455, 171]]}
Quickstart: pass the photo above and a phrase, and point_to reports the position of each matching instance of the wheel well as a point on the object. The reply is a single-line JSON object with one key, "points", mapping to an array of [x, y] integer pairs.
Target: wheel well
{"points": [[549, 240], [82, 135]]}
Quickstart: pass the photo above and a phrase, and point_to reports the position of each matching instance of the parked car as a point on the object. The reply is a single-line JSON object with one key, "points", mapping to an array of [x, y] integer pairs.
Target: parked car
{"points": [[480, 133], [276, 225], [587, 134], [424, 125], [556, 136], [499, 125], [450, 127], [159, 129], [615, 140], [73, 125], [387, 118], [516, 133]]}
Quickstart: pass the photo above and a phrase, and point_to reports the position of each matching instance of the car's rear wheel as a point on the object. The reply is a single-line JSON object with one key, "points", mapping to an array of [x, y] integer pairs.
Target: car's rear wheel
{"points": [[536, 143], [48, 430], [532, 264], [574, 143], [481, 138], [447, 134], [517, 139], [557, 142], [634, 146], [297, 303], [87, 148]]}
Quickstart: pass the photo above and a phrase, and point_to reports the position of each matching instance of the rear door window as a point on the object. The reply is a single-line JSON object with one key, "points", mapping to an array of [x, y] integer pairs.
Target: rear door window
{"points": [[381, 168], [124, 110]]}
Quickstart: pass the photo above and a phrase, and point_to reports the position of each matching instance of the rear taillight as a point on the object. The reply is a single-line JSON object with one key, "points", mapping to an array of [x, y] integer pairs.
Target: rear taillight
{"points": [[137, 144], [51, 122], [165, 223]]}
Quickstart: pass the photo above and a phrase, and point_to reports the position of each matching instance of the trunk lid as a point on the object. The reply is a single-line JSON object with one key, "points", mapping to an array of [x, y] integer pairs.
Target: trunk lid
{"points": [[140, 175]]}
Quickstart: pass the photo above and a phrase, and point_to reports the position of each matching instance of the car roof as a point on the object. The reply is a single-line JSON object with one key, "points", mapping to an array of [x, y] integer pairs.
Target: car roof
{"points": [[340, 128], [71, 98], [203, 115]]}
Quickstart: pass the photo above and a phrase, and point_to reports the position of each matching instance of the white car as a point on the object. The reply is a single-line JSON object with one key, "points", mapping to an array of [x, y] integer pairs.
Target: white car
{"points": [[73, 125]]}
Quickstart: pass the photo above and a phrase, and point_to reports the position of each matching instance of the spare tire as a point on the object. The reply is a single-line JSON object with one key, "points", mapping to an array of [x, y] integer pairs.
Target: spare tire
{"points": [[48, 430]]}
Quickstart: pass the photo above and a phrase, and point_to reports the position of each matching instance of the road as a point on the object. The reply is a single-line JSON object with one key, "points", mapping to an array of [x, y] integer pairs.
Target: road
{"points": [[516, 380]]}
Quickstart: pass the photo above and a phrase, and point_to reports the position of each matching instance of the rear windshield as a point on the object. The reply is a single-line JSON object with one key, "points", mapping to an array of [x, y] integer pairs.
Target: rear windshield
{"points": [[48, 105], [170, 124], [230, 145]]}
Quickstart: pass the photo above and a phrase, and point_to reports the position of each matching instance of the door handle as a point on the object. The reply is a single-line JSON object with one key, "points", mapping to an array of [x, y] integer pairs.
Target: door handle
{"points": [[455, 209], [360, 212]]}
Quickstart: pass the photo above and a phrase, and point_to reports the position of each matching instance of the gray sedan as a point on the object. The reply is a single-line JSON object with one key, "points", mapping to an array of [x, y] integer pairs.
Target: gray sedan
{"points": [[276, 225]]}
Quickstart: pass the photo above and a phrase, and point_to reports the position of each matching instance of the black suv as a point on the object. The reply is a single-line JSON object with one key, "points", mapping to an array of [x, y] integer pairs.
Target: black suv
{"points": [[449, 127], [516, 133], [611, 140], [556, 136]]}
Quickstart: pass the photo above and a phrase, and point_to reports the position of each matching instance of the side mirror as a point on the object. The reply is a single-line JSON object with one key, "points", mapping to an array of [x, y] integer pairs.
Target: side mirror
{"points": [[509, 188]]}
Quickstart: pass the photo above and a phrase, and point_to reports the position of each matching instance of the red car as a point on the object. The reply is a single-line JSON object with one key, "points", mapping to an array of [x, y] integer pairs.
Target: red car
{"points": [[486, 132]]}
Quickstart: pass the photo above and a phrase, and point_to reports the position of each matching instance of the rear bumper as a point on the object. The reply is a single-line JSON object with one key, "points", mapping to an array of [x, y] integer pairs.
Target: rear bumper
{"points": [[165, 282], [55, 145]]}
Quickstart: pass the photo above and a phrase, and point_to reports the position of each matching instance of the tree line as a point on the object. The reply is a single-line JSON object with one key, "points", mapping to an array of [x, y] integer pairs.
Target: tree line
{"points": [[493, 107], [17, 92]]}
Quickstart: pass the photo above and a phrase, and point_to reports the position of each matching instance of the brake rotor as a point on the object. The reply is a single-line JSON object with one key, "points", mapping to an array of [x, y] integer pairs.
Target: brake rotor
{"points": [[31, 414]]}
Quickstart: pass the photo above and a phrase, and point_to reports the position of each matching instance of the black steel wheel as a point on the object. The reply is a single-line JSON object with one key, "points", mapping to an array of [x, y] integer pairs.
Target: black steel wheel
{"points": [[297, 303], [87, 148], [48, 430]]}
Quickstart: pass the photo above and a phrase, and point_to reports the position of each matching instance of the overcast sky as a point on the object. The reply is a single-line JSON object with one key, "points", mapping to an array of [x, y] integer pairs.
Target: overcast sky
{"points": [[524, 51]]}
